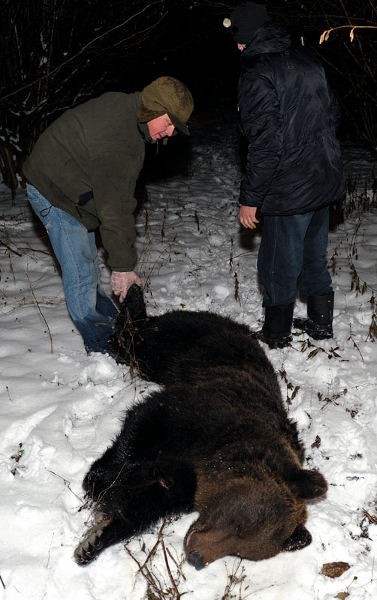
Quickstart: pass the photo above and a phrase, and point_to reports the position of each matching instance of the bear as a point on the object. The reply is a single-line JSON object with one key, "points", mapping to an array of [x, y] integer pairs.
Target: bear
{"points": [[215, 438]]}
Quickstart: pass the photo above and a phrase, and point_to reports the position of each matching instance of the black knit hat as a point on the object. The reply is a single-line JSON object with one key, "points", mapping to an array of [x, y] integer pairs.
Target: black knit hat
{"points": [[245, 20]]}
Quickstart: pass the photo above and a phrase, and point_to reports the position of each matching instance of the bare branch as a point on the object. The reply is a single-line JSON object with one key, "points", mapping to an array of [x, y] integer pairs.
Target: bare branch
{"points": [[84, 49], [326, 34]]}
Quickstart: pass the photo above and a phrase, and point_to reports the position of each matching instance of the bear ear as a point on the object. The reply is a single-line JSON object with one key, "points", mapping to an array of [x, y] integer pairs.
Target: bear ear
{"points": [[300, 538], [308, 484]]}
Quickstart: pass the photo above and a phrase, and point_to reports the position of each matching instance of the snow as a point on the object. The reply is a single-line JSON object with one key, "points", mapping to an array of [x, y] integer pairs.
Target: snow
{"points": [[60, 408]]}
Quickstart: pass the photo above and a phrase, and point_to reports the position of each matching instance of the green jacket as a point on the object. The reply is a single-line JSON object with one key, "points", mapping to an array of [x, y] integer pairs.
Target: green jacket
{"points": [[87, 163]]}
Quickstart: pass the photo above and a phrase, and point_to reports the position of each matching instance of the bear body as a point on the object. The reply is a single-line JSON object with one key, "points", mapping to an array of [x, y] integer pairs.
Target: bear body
{"points": [[215, 439]]}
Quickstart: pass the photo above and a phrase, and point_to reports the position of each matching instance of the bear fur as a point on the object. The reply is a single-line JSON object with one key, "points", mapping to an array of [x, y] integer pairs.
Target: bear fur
{"points": [[215, 439]]}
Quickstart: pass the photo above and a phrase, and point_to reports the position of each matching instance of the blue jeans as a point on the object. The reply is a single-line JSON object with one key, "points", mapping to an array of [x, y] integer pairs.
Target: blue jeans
{"points": [[292, 255], [75, 249]]}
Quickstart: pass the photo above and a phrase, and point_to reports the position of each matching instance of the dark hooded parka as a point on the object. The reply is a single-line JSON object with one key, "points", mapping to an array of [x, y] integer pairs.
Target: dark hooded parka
{"points": [[289, 117]]}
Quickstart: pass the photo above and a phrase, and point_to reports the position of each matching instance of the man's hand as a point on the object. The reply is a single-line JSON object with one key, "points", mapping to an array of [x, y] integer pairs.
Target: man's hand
{"points": [[247, 216], [122, 281]]}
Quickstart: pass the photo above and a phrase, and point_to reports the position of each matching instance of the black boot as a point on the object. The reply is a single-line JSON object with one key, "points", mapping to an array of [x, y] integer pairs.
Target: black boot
{"points": [[320, 313], [276, 331]]}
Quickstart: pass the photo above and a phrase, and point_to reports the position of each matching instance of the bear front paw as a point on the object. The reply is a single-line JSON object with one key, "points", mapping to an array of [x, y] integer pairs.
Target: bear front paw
{"points": [[89, 548]]}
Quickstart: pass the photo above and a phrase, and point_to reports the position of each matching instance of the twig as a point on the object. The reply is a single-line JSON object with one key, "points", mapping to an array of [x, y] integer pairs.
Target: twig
{"points": [[143, 569], [197, 220], [372, 332], [236, 288], [41, 313], [155, 586], [326, 34], [235, 578], [163, 224], [371, 518], [235, 275], [11, 267], [8, 392], [168, 569], [290, 387], [66, 483], [178, 565], [2, 582], [10, 248], [153, 551], [350, 337]]}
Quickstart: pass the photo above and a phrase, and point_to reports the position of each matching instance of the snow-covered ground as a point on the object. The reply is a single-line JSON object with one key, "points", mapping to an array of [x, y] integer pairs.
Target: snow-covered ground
{"points": [[60, 408]]}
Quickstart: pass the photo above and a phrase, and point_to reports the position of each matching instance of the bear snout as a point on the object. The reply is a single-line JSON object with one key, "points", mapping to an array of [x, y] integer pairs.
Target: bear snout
{"points": [[195, 559]]}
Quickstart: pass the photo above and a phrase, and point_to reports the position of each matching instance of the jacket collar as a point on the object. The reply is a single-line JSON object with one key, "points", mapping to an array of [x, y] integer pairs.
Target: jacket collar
{"points": [[268, 38]]}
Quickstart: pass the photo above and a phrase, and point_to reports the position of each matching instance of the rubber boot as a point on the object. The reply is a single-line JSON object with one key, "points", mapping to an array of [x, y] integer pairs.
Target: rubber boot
{"points": [[276, 331], [320, 314]]}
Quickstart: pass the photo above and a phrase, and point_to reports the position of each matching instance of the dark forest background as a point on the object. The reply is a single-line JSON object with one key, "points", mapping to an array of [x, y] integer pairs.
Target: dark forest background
{"points": [[58, 53]]}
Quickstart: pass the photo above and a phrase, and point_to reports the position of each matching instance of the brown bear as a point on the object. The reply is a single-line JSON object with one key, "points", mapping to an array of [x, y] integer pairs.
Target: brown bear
{"points": [[215, 439]]}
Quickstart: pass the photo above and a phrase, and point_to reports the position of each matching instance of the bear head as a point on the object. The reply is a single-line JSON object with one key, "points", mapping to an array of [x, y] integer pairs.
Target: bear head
{"points": [[253, 518]]}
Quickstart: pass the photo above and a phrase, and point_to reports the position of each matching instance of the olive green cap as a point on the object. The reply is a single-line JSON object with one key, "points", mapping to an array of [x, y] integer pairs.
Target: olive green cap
{"points": [[167, 95]]}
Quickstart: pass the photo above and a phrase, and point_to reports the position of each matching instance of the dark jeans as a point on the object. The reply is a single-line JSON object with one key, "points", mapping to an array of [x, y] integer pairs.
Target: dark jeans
{"points": [[292, 256]]}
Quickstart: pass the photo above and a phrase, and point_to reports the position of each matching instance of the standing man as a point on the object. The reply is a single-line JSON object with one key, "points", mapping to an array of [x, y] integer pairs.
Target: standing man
{"points": [[293, 172], [82, 174]]}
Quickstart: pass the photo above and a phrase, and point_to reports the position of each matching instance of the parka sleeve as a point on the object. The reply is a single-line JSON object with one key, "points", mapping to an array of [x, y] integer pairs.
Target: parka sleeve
{"points": [[261, 123], [114, 179]]}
